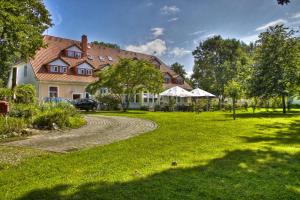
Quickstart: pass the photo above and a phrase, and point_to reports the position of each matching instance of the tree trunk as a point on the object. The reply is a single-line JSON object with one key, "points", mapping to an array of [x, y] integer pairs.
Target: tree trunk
{"points": [[233, 107], [283, 104]]}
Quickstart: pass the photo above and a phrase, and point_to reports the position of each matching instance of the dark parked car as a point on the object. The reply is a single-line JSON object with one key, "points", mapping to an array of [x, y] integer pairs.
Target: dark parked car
{"points": [[86, 104]]}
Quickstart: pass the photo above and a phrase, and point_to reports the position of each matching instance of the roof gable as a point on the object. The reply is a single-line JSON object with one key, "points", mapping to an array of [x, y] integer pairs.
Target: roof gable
{"points": [[74, 48], [85, 65], [58, 62]]}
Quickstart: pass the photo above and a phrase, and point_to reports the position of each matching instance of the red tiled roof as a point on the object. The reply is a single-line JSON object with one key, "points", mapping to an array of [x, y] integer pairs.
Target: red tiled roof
{"points": [[55, 46]]}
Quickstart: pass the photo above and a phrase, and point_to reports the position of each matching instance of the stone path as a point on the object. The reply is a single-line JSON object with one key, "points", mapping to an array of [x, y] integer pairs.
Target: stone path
{"points": [[100, 130]]}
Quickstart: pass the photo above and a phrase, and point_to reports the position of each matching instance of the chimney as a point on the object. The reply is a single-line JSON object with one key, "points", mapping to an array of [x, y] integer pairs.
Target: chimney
{"points": [[84, 45]]}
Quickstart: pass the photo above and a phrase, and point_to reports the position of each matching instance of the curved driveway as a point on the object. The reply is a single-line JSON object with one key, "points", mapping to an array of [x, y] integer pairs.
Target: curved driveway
{"points": [[100, 130]]}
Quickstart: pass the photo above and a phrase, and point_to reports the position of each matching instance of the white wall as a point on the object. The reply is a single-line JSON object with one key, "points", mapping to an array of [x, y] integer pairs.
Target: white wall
{"points": [[84, 66], [74, 48], [21, 79], [58, 62]]}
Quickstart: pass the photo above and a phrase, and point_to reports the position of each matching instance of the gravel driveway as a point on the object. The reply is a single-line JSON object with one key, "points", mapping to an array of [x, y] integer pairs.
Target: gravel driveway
{"points": [[100, 130]]}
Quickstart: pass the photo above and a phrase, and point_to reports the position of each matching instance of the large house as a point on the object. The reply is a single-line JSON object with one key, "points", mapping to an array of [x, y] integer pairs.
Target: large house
{"points": [[65, 67]]}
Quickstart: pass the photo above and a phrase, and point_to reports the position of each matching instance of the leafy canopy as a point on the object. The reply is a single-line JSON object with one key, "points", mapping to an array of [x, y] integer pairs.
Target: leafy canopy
{"points": [[107, 44], [22, 24], [129, 77], [179, 69], [277, 63]]}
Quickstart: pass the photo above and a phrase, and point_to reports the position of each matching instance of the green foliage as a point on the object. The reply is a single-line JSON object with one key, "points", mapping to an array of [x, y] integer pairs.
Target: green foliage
{"points": [[11, 126], [218, 61], [22, 24], [25, 93], [106, 44], [233, 89], [62, 114], [109, 101], [179, 69], [129, 77], [26, 111], [277, 64], [6, 94]]}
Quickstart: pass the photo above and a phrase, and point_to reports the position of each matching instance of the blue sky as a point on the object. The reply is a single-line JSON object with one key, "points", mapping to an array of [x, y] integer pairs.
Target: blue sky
{"points": [[170, 29]]}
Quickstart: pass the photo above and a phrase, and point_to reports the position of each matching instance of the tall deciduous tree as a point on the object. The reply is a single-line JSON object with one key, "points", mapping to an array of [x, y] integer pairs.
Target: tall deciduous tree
{"points": [[179, 69], [110, 45], [217, 61], [277, 64], [233, 90], [129, 77], [22, 24]]}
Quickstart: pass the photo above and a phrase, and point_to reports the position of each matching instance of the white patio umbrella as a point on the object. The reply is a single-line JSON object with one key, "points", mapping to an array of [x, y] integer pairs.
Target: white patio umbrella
{"points": [[176, 92], [201, 93]]}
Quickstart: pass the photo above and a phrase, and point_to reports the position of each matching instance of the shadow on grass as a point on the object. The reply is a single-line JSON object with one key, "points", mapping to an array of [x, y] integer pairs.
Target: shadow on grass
{"points": [[116, 112], [284, 133], [269, 114], [240, 174]]}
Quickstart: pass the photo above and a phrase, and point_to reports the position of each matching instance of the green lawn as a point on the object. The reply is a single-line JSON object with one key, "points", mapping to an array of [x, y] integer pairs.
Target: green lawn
{"points": [[255, 157]]}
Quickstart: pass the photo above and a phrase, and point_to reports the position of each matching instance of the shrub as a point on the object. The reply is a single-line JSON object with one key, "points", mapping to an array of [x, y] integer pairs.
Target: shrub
{"points": [[12, 126], [110, 101], [62, 115], [25, 93], [145, 108], [26, 111], [6, 94], [157, 107]]}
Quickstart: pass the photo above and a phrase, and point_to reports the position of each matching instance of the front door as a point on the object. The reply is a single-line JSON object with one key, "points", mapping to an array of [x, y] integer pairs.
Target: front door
{"points": [[76, 96]]}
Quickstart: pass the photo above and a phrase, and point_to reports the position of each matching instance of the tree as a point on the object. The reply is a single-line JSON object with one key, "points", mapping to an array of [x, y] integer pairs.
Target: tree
{"points": [[22, 24], [217, 61], [282, 2], [276, 71], [129, 77], [233, 90], [179, 69], [106, 44]]}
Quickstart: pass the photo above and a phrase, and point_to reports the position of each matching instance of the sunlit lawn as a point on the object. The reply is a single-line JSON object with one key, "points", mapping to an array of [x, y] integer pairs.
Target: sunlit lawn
{"points": [[255, 157]]}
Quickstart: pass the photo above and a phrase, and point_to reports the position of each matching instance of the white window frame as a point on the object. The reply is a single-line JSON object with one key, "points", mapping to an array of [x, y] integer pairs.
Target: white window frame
{"points": [[54, 67], [81, 71], [63, 69], [77, 93], [89, 72], [50, 92]]}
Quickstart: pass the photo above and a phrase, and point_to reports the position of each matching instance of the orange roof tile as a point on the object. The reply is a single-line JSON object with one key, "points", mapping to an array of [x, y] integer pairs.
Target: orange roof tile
{"points": [[55, 46]]}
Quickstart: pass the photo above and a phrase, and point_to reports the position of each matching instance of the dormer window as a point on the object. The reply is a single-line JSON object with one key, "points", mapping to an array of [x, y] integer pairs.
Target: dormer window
{"points": [[54, 69], [85, 69], [101, 58], [167, 78], [73, 52], [58, 66], [109, 58]]}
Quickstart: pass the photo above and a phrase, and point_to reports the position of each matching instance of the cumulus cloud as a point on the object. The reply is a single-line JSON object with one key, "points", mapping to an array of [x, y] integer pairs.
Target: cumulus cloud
{"points": [[155, 47], [272, 23], [179, 52], [173, 19], [169, 10], [157, 31]]}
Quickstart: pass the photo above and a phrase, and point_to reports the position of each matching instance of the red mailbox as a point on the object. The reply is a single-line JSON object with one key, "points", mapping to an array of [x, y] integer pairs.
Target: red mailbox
{"points": [[4, 107]]}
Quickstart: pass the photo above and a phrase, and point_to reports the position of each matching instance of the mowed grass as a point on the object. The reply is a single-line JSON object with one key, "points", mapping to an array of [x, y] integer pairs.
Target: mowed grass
{"points": [[256, 156]]}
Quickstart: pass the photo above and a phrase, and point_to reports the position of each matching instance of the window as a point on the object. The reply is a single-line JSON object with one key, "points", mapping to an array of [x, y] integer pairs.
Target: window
{"points": [[109, 58], [101, 58], [53, 92], [25, 71], [90, 57], [54, 68], [89, 72], [167, 79], [81, 71], [73, 54], [63, 69]]}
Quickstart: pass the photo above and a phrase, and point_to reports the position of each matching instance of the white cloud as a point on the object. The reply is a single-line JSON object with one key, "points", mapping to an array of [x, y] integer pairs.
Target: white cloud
{"points": [[155, 47], [173, 19], [272, 23], [57, 19], [204, 37], [169, 10], [296, 15], [157, 31], [249, 38], [179, 52], [197, 32]]}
